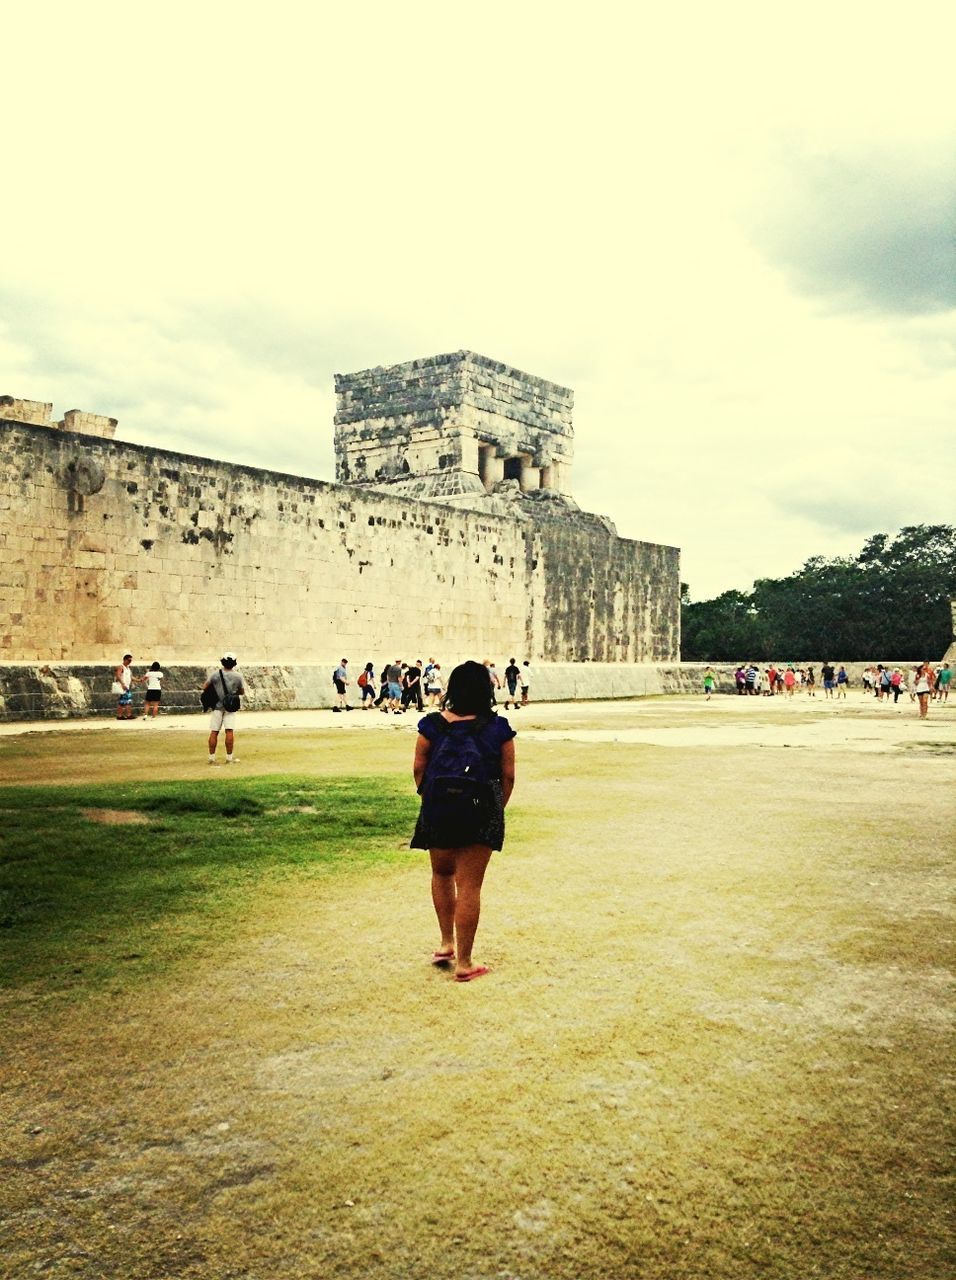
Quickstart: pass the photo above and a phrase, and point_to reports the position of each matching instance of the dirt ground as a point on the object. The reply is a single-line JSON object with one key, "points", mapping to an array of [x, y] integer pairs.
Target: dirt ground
{"points": [[714, 1042]]}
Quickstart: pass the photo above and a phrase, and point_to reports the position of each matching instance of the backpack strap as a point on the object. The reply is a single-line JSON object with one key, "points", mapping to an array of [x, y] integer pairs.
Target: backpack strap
{"points": [[443, 725]]}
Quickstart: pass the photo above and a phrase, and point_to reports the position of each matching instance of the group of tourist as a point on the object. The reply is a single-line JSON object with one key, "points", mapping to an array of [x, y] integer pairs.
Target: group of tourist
{"points": [[400, 685], [123, 681], [925, 683], [220, 696], [788, 680]]}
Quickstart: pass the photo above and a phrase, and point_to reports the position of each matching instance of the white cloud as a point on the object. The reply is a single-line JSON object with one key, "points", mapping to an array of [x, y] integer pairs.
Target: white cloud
{"points": [[208, 216]]}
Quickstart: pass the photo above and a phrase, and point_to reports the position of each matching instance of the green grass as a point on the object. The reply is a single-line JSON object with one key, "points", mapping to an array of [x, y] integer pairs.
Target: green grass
{"points": [[83, 903]]}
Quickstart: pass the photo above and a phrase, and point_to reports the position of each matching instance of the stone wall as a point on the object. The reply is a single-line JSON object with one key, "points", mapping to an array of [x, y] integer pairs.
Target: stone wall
{"points": [[107, 547], [60, 691]]}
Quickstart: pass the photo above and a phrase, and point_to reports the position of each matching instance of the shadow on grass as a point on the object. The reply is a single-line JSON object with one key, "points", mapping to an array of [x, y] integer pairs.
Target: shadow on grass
{"points": [[84, 903]]}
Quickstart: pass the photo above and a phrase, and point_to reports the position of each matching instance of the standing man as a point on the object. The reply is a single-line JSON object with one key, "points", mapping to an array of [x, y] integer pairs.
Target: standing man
{"points": [[228, 685], [525, 682], [123, 688], [829, 678], [340, 678], [512, 675]]}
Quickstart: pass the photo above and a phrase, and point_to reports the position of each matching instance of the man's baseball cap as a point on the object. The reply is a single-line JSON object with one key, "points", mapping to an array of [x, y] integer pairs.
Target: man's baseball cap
{"points": [[229, 657]]}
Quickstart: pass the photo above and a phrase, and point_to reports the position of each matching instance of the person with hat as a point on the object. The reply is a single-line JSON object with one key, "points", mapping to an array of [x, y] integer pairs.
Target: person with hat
{"points": [[227, 684], [340, 679]]}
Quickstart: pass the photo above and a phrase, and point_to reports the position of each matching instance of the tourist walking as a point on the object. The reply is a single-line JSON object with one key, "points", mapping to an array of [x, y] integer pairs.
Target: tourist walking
{"points": [[842, 682], [123, 688], [153, 680], [228, 686], [340, 678], [412, 691], [710, 683], [944, 678], [394, 681], [897, 684], [923, 687], [434, 684], [512, 675], [382, 686], [495, 679], [464, 769], [828, 676], [366, 682], [525, 682]]}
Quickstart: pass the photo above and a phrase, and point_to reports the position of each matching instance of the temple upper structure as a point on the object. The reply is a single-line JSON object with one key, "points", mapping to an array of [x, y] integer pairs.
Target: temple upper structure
{"points": [[457, 428]]}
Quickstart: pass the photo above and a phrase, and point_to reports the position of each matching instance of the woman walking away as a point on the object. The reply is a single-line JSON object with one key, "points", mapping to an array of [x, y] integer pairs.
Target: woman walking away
{"points": [[465, 771], [366, 682]]}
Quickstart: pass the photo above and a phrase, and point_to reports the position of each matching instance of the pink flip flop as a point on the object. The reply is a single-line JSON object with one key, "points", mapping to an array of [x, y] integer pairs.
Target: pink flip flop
{"points": [[442, 957], [471, 974]]}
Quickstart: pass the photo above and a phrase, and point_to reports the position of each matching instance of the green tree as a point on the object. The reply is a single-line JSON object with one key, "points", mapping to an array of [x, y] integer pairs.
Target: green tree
{"points": [[891, 600], [726, 629]]}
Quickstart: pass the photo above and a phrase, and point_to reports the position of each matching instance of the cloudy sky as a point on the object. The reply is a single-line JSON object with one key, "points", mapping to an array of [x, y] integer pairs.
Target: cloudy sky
{"points": [[728, 228]]}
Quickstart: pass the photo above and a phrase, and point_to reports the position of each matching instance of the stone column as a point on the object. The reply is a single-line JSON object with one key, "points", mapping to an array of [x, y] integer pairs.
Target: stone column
{"points": [[468, 447], [530, 474], [492, 467]]}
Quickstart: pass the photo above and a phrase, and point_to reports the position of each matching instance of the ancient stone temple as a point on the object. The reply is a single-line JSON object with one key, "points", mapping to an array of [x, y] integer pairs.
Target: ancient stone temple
{"points": [[454, 428], [451, 530]]}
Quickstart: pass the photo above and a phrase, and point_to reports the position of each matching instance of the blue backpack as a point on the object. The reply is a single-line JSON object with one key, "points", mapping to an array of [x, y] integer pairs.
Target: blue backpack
{"points": [[457, 796]]}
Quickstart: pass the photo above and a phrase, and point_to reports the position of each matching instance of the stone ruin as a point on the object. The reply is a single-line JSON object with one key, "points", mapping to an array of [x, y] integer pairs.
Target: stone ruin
{"points": [[459, 429]]}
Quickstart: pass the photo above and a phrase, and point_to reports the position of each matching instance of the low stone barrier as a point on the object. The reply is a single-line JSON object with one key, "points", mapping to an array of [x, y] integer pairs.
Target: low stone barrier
{"points": [[61, 692]]}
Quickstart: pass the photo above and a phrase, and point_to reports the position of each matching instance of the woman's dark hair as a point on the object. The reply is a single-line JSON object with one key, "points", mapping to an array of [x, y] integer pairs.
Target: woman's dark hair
{"points": [[469, 690], [369, 667], [155, 667]]}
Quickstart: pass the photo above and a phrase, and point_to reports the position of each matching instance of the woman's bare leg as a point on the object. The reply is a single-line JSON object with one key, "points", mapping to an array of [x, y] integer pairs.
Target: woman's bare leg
{"points": [[470, 864], [443, 895], [457, 876]]}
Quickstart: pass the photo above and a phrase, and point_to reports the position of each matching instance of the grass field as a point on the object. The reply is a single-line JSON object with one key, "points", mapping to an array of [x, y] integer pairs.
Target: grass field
{"points": [[716, 1040]]}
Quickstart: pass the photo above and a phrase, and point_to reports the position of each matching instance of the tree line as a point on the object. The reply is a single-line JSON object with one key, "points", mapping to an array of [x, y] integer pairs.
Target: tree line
{"points": [[891, 601]]}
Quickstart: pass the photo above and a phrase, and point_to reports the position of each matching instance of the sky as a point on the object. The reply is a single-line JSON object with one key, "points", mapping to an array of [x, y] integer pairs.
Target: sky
{"points": [[728, 228]]}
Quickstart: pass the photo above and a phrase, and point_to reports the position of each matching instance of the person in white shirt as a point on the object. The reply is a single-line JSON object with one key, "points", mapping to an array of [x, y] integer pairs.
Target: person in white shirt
{"points": [[153, 680], [525, 682], [122, 688]]}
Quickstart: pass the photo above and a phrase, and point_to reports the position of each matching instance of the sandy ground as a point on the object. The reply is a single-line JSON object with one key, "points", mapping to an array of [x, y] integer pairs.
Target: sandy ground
{"points": [[713, 1045], [863, 723]]}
